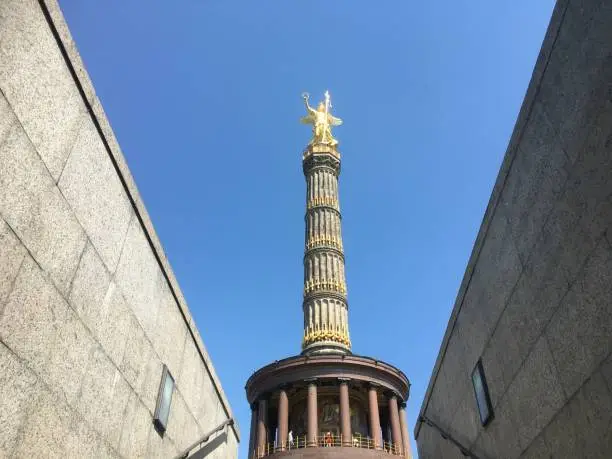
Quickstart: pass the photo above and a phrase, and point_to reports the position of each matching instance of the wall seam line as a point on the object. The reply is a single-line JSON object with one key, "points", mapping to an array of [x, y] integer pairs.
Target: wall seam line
{"points": [[94, 338], [542, 335], [50, 390]]}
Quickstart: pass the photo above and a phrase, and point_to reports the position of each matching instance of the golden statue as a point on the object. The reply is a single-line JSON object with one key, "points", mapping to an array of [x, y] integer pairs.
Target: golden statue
{"points": [[321, 120]]}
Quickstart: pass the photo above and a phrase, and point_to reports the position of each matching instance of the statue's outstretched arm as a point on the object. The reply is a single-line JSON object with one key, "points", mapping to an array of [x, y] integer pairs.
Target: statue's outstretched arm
{"points": [[308, 107]]}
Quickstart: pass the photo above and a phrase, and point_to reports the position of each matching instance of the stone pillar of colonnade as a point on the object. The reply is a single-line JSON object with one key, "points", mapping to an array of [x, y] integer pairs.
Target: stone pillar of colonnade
{"points": [[253, 433], [405, 435], [262, 427], [374, 416], [394, 419], [345, 413], [283, 419], [312, 414]]}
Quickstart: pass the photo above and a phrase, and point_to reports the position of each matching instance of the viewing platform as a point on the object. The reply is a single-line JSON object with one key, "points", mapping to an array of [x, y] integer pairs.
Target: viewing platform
{"points": [[331, 446]]}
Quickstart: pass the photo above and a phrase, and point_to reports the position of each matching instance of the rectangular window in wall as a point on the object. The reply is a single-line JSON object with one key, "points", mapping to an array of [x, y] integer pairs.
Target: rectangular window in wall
{"points": [[481, 391], [164, 399]]}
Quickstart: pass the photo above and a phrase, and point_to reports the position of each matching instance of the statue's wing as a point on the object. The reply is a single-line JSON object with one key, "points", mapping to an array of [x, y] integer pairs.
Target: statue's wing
{"points": [[333, 121], [307, 120]]}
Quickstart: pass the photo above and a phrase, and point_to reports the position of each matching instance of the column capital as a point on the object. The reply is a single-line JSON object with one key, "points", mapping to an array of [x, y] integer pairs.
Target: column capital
{"points": [[310, 381], [389, 394], [344, 380]]}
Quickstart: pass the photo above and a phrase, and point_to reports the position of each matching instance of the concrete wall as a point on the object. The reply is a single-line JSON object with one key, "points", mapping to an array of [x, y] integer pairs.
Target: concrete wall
{"points": [[536, 299], [89, 307]]}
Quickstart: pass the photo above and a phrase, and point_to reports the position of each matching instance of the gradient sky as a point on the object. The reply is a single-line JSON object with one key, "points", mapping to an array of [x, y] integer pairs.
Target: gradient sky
{"points": [[204, 98]]}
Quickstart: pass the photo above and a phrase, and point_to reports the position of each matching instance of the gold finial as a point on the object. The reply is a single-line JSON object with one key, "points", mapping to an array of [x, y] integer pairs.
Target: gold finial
{"points": [[321, 120]]}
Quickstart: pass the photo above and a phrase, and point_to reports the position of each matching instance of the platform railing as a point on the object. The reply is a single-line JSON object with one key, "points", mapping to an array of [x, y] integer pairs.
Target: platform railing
{"points": [[327, 441]]}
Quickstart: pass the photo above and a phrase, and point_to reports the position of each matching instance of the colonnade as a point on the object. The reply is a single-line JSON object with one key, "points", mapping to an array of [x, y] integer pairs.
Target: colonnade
{"points": [[397, 419]]}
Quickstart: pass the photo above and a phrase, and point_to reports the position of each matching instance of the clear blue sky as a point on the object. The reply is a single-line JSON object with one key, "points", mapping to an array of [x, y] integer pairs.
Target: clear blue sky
{"points": [[204, 97]]}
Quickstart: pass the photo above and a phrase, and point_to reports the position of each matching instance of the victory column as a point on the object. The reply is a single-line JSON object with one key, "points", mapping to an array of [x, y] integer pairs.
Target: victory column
{"points": [[326, 402], [325, 307]]}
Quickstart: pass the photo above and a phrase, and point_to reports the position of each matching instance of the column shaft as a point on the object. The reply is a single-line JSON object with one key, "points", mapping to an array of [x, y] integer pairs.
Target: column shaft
{"points": [[404, 427], [324, 270], [345, 414], [253, 432], [313, 428], [396, 432], [283, 419], [262, 427], [374, 417]]}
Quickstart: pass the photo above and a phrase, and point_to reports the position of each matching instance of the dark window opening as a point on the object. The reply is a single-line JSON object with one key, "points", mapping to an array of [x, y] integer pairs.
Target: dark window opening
{"points": [[481, 391], [164, 399]]}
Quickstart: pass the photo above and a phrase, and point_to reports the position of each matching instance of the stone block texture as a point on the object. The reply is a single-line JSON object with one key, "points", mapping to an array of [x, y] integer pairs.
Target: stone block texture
{"points": [[535, 303], [90, 310]]}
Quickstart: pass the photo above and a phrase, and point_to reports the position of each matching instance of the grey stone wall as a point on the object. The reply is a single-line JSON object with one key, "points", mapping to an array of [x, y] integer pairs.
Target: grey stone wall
{"points": [[89, 307], [536, 300]]}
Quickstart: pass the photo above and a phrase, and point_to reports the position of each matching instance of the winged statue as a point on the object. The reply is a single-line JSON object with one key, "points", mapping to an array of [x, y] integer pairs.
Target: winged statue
{"points": [[322, 120]]}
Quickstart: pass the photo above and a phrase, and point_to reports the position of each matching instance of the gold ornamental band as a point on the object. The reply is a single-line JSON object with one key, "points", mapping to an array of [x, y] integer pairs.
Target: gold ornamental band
{"points": [[315, 285], [315, 336], [322, 201], [323, 241]]}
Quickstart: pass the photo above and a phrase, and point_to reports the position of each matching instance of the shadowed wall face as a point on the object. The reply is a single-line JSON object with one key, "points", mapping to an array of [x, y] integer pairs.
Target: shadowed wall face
{"points": [[535, 302], [89, 308]]}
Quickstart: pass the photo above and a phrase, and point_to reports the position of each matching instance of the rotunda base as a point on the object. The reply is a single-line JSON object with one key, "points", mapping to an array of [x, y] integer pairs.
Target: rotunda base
{"points": [[332, 453]]}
